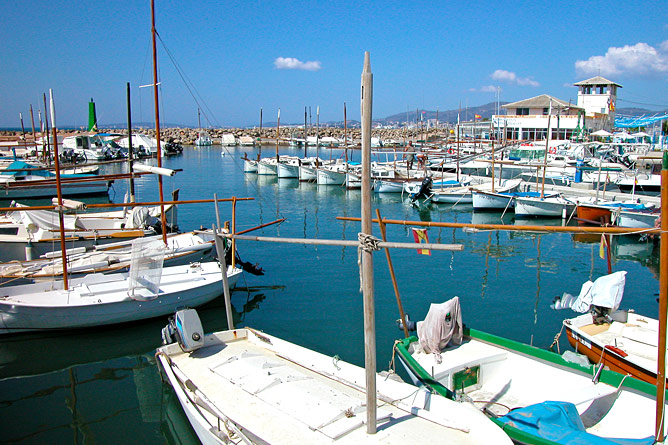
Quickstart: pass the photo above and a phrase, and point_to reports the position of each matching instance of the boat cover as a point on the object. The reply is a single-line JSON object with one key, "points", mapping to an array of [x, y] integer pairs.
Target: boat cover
{"points": [[442, 324], [560, 422], [606, 291]]}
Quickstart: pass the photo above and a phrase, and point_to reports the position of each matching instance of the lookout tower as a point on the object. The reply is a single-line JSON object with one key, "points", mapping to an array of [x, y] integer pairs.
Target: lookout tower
{"points": [[598, 97]]}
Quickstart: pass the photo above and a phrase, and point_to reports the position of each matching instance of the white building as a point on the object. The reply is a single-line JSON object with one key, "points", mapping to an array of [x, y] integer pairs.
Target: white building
{"points": [[528, 119]]}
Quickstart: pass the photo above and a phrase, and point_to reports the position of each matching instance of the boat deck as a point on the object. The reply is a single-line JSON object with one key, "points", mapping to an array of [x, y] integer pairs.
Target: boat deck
{"points": [[277, 400]]}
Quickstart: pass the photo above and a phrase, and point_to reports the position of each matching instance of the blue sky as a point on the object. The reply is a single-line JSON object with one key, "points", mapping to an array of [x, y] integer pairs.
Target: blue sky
{"points": [[241, 56]]}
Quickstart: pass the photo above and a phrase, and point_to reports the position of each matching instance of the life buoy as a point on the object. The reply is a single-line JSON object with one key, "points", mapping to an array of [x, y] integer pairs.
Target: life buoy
{"points": [[553, 150], [450, 151]]}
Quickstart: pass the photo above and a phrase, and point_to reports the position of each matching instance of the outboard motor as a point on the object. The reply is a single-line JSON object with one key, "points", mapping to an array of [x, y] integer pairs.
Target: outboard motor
{"points": [[424, 189], [184, 328]]}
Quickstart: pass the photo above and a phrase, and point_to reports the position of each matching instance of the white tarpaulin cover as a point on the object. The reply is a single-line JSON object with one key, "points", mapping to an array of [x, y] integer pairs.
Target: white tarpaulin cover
{"points": [[146, 268], [607, 291], [442, 324]]}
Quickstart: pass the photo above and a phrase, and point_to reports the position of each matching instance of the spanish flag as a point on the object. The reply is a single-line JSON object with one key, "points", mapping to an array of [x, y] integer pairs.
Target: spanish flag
{"points": [[420, 236], [477, 116]]}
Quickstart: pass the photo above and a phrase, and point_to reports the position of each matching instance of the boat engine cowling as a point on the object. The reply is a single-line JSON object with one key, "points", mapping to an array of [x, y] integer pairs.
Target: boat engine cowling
{"points": [[184, 328]]}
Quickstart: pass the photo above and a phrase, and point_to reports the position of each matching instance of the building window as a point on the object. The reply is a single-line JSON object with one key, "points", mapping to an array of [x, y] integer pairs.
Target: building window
{"points": [[522, 112], [545, 111], [601, 89], [586, 89]]}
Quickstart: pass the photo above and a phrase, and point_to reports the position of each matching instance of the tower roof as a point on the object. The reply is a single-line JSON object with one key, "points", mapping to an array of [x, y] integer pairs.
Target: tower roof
{"points": [[598, 80]]}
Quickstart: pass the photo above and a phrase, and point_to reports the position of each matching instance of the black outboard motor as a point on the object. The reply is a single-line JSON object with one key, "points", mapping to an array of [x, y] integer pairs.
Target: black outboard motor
{"points": [[424, 189]]}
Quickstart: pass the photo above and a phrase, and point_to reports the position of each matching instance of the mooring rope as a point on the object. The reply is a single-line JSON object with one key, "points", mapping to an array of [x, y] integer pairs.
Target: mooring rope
{"points": [[368, 243]]}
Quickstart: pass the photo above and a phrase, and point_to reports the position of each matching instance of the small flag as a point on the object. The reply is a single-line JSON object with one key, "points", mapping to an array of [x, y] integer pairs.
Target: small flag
{"points": [[601, 249], [420, 236], [477, 116]]}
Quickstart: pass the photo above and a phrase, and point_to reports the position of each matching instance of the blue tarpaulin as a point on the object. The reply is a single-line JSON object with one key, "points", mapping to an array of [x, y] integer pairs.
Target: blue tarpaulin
{"points": [[638, 121], [560, 422]]}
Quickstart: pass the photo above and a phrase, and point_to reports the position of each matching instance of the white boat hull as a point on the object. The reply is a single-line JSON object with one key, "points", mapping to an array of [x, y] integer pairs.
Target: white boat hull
{"points": [[99, 299], [307, 174], [287, 170], [250, 166], [266, 168], [330, 177], [548, 207], [383, 186], [491, 201], [637, 220]]}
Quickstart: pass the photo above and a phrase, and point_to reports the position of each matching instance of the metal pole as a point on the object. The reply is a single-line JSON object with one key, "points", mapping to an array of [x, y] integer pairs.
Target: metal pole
{"points": [[367, 256], [34, 135], [663, 306], [234, 229], [46, 128], [278, 131], [130, 154]]}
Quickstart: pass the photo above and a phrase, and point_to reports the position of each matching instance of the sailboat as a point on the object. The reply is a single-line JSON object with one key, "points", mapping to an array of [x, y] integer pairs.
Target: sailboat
{"points": [[203, 138], [245, 385]]}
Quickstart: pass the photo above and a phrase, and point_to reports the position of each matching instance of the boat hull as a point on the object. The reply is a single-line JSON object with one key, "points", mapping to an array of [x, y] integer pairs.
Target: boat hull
{"points": [[307, 174], [330, 177], [266, 168], [287, 170], [250, 166], [546, 208], [88, 303]]}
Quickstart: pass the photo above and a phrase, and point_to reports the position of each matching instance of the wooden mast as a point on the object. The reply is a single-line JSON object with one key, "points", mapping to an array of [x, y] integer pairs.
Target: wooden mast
{"points": [[259, 139], [367, 255], [163, 218], [663, 306], [59, 191], [547, 147]]}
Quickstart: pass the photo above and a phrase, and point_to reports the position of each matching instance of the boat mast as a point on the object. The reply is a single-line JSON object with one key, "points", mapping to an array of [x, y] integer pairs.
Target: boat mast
{"points": [[367, 254], [317, 135], [163, 219], [59, 191], [259, 139], [305, 135], [663, 306], [278, 131], [345, 131]]}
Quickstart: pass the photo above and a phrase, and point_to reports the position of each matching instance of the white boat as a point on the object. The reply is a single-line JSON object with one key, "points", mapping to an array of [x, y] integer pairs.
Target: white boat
{"points": [[549, 206], [464, 195], [353, 180], [250, 165], [142, 145], [388, 185], [148, 290], [259, 388], [21, 180], [182, 248], [537, 396], [498, 200], [308, 173], [333, 174], [267, 166], [228, 140], [246, 141], [637, 219], [92, 147], [288, 167], [29, 234], [203, 139]]}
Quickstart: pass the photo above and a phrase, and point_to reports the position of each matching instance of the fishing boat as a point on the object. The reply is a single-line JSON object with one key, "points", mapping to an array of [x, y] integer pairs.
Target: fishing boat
{"points": [[247, 385], [488, 200], [267, 166], [601, 211], [29, 234], [641, 219], [621, 340], [331, 174], [556, 206], [288, 167], [250, 165], [143, 146], [21, 180], [182, 248], [535, 395], [148, 290], [464, 195]]}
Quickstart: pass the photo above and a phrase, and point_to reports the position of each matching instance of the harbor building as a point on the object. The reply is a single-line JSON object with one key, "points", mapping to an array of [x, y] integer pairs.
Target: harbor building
{"points": [[528, 119]]}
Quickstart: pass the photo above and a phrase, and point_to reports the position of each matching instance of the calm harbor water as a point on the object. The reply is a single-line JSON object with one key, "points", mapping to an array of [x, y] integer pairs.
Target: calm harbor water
{"points": [[102, 385]]}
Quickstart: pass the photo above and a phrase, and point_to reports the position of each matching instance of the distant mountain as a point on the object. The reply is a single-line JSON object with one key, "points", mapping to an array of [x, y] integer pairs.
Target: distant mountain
{"points": [[484, 111]]}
